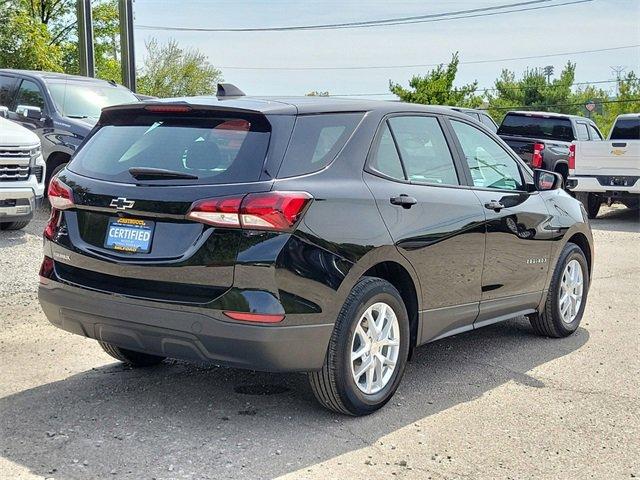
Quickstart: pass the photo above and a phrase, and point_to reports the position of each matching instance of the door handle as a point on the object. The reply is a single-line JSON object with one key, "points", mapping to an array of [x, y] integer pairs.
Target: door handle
{"points": [[494, 205], [404, 200]]}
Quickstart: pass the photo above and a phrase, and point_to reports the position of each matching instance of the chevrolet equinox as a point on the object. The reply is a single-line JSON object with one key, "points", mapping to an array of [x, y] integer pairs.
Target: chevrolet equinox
{"points": [[308, 234]]}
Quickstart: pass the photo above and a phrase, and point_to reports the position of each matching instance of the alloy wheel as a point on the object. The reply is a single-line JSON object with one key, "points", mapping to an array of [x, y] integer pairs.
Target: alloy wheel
{"points": [[571, 290], [374, 348]]}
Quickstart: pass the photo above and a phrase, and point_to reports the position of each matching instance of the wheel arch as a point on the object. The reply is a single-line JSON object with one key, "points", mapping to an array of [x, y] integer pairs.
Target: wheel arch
{"points": [[401, 279], [582, 242], [54, 160], [387, 263], [562, 168]]}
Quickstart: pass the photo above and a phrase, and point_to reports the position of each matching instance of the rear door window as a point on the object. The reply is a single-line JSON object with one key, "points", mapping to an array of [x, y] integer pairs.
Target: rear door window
{"points": [[488, 122], [424, 150], [385, 158], [217, 149], [316, 140], [582, 132], [594, 133]]}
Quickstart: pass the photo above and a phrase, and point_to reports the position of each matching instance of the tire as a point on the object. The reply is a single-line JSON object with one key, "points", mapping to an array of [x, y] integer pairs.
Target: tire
{"points": [[591, 203], [550, 322], [14, 225], [334, 386], [135, 359]]}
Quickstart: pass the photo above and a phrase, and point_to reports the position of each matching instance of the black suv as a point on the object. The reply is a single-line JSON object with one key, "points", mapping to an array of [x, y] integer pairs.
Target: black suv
{"points": [[305, 234], [61, 109]]}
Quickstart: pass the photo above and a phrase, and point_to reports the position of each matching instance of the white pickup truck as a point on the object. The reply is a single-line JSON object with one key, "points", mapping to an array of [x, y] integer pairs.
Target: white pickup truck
{"points": [[607, 171], [22, 173]]}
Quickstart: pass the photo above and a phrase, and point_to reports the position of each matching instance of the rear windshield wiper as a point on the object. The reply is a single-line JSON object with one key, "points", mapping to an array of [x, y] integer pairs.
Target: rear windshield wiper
{"points": [[146, 173]]}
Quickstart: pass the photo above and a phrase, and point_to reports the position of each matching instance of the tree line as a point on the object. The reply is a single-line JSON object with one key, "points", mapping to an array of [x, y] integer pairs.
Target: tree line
{"points": [[42, 35], [533, 90]]}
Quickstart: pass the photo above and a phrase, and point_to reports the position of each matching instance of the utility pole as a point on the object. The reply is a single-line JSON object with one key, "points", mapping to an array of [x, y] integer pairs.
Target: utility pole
{"points": [[127, 48], [85, 38], [618, 70]]}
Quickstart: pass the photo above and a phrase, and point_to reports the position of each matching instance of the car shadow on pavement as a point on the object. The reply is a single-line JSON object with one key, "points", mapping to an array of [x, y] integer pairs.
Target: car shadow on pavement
{"points": [[618, 219], [179, 420]]}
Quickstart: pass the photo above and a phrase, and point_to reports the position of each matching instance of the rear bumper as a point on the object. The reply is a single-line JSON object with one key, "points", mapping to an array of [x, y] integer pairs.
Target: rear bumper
{"points": [[592, 185], [172, 331]]}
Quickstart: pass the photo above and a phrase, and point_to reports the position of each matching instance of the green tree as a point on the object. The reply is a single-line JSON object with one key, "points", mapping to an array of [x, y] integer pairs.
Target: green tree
{"points": [[25, 42], [436, 88], [42, 35], [532, 91], [627, 100], [171, 71]]}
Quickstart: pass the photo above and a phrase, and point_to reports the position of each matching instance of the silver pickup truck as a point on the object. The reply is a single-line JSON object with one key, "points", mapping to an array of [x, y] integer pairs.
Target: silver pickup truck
{"points": [[22, 173]]}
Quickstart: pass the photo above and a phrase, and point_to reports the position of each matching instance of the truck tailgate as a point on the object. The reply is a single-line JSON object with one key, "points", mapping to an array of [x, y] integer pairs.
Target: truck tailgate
{"points": [[616, 157]]}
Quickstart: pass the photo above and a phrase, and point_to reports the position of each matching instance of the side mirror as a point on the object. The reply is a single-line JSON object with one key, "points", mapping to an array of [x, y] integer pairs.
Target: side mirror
{"points": [[29, 111], [4, 112], [544, 180]]}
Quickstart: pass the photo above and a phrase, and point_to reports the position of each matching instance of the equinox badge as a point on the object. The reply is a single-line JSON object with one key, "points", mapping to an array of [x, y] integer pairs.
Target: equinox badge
{"points": [[121, 203]]}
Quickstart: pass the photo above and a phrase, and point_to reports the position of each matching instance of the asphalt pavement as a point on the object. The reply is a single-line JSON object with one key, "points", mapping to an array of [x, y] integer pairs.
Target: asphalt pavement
{"points": [[498, 403]]}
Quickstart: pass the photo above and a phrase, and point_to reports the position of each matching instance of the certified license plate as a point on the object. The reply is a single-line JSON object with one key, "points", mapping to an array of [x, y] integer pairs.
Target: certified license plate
{"points": [[129, 235]]}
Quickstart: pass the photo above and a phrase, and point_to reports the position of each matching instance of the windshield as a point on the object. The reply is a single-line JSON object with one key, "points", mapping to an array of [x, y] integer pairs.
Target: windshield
{"points": [[80, 100], [211, 150], [537, 127]]}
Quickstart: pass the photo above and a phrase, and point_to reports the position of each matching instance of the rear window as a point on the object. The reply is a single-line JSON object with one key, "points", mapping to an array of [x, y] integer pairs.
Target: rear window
{"points": [[315, 142], [220, 149], [626, 129], [537, 127]]}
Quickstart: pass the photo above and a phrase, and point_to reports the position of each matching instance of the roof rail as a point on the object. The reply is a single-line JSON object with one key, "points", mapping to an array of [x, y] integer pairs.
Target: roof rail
{"points": [[228, 90]]}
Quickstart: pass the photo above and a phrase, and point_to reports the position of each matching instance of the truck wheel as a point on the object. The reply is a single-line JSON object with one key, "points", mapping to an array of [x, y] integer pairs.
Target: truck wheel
{"points": [[567, 295], [591, 203], [367, 352], [135, 359], [14, 225]]}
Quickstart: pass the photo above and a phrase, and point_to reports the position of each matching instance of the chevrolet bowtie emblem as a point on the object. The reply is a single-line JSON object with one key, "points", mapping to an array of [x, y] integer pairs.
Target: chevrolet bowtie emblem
{"points": [[121, 203]]}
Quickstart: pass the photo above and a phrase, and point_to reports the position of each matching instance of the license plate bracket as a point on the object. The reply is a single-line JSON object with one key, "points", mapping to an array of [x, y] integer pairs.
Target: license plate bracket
{"points": [[129, 235]]}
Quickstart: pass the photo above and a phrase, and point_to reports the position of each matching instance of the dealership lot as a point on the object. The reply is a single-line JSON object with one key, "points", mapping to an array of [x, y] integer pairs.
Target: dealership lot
{"points": [[500, 403]]}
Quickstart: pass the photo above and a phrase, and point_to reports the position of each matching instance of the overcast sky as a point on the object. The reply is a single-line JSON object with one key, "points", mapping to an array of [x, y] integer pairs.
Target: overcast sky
{"points": [[594, 25]]}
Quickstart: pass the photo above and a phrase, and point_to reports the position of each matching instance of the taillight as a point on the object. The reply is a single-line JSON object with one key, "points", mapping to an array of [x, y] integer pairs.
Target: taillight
{"points": [[60, 195], [168, 108], [273, 210], [536, 158], [46, 270], [221, 212], [572, 156], [52, 224], [278, 211]]}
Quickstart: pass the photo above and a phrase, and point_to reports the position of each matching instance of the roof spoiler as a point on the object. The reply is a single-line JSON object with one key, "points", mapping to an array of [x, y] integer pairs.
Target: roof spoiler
{"points": [[228, 90]]}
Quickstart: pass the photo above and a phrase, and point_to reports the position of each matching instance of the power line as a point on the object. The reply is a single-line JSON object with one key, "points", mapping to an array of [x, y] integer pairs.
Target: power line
{"points": [[471, 62], [454, 15], [488, 89]]}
